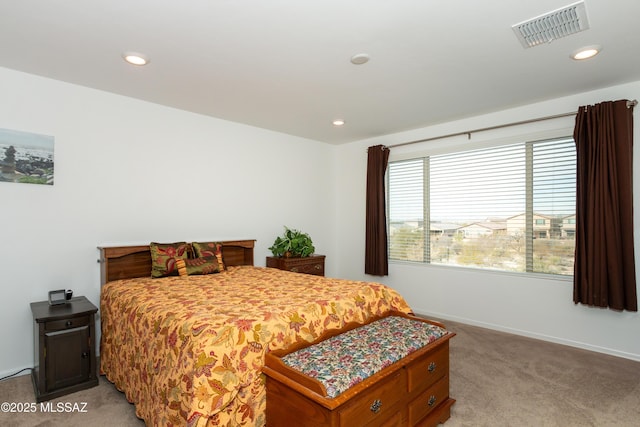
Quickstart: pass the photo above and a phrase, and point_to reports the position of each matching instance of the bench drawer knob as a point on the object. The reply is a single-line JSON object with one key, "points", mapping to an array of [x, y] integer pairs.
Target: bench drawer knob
{"points": [[432, 400], [375, 406]]}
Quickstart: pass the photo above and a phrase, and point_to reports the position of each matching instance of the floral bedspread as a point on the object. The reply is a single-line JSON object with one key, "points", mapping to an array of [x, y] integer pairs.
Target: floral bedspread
{"points": [[188, 350]]}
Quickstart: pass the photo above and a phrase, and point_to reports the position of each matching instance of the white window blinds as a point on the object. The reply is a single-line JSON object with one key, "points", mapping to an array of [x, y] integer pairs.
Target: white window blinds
{"points": [[508, 207]]}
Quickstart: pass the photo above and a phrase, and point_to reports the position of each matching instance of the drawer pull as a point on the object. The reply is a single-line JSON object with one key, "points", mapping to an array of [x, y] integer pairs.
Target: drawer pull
{"points": [[294, 269], [318, 267], [376, 406], [432, 367], [69, 323], [432, 401]]}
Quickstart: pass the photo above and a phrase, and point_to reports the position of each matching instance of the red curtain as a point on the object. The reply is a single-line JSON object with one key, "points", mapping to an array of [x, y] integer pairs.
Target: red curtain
{"points": [[604, 271], [376, 260]]}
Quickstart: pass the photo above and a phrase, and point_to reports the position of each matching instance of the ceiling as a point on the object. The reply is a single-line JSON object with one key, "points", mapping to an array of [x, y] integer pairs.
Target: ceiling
{"points": [[285, 65]]}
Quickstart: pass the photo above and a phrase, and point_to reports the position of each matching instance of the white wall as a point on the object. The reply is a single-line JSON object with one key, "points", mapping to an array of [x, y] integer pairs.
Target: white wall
{"points": [[131, 172], [128, 171], [532, 306]]}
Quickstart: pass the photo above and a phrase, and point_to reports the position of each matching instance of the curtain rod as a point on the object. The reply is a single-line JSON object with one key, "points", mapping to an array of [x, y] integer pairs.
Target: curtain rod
{"points": [[523, 122]]}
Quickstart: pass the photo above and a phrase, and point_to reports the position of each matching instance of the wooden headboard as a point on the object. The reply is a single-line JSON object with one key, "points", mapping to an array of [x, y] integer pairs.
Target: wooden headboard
{"points": [[128, 262]]}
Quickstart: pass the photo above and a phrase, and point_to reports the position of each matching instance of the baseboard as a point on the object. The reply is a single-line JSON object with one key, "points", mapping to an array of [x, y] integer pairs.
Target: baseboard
{"points": [[529, 334], [16, 373]]}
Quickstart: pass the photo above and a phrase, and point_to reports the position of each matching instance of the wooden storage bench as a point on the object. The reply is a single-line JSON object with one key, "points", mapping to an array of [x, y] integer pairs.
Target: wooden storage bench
{"points": [[393, 371]]}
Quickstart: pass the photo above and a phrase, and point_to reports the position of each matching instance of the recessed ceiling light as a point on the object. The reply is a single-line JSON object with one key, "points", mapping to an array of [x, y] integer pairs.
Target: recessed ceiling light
{"points": [[135, 58], [586, 52], [360, 58], [338, 122]]}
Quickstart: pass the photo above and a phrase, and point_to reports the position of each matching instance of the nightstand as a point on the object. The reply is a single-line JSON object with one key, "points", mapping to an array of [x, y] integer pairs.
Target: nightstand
{"points": [[64, 348], [313, 264]]}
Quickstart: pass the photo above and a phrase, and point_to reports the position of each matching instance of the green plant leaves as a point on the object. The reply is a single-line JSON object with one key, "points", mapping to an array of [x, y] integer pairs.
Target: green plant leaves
{"points": [[294, 242]]}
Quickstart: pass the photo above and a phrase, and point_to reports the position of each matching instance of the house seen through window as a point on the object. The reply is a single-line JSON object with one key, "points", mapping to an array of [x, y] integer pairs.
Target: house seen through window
{"points": [[509, 207]]}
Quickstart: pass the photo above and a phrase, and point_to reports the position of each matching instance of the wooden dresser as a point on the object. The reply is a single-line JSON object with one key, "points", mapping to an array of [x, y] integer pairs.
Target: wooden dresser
{"points": [[313, 264], [413, 391]]}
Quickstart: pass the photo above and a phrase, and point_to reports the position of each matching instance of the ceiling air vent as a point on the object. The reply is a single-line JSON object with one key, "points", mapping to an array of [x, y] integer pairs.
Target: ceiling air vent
{"points": [[553, 25]]}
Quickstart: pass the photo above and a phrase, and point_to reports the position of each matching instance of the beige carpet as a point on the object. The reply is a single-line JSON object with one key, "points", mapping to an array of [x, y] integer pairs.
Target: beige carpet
{"points": [[498, 379], [501, 379]]}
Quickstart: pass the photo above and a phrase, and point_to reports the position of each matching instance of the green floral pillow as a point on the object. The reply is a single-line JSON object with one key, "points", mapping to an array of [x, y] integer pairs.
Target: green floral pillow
{"points": [[202, 265], [164, 256], [208, 249]]}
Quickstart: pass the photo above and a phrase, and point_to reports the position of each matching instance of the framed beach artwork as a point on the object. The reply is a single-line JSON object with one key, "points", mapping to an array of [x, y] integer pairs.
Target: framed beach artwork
{"points": [[26, 157]]}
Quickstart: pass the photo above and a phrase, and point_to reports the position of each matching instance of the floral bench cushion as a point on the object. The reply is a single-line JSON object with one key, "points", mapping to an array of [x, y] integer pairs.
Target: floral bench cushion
{"points": [[344, 360]]}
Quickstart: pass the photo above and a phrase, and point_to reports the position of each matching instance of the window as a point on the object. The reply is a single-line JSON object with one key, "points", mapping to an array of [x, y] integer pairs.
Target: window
{"points": [[509, 207]]}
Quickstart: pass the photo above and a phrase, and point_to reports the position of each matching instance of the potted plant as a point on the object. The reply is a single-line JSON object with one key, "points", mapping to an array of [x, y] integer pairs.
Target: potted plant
{"points": [[293, 243]]}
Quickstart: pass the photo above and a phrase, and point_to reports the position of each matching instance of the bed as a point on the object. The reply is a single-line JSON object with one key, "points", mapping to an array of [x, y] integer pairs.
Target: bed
{"points": [[188, 350]]}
